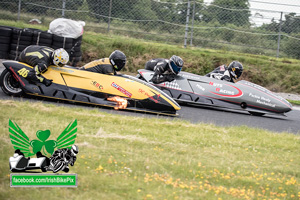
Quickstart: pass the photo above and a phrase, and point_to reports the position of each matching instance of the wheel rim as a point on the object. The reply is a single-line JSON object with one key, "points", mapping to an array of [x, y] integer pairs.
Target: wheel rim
{"points": [[11, 84]]}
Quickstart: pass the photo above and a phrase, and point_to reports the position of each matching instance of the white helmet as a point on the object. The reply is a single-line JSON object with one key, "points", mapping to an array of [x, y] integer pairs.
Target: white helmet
{"points": [[60, 57], [74, 150]]}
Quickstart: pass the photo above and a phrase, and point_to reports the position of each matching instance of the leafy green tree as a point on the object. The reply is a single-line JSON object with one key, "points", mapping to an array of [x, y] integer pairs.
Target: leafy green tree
{"points": [[42, 6], [291, 23], [228, 12], [291, 46]]}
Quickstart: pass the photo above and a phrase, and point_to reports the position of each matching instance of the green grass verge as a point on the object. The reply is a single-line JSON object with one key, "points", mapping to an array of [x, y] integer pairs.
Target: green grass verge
{"points": [[125, 157], [294, 102]]}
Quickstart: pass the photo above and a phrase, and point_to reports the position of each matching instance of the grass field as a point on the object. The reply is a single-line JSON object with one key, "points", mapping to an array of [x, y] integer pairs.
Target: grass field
{"points": [[123, 157]]}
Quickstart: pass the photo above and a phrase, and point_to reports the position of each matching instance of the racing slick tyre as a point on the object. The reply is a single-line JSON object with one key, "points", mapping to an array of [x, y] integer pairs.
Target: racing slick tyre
{"points": [[9, 84]]}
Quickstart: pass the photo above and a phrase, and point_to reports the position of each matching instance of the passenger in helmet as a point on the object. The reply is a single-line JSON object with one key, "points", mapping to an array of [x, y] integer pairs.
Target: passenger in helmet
{"points": [[40, 58], [228, 73], [164, 69], [115, 62]]}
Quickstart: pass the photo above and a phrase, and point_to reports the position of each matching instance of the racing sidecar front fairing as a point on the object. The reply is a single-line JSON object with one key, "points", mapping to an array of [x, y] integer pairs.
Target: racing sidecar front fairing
{"points": [[204, 91], [72, 84]]}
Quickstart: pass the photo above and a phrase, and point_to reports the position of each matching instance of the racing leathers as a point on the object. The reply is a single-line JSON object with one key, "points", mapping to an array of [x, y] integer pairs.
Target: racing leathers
{"points": [[61, 157], [40, 58], [102, 66], [162, 72], [221, 73]]}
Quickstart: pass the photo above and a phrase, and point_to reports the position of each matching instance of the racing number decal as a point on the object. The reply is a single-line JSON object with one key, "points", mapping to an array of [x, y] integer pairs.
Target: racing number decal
{"points": [[23, 72]]}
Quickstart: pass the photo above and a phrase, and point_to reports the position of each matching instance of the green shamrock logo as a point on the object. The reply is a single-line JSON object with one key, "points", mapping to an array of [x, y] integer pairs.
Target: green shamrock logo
{"points": [[43, 145]]}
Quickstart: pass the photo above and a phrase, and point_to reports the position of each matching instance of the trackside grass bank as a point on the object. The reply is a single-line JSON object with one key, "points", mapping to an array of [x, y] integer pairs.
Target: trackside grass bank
{"points": [[122, 157]]}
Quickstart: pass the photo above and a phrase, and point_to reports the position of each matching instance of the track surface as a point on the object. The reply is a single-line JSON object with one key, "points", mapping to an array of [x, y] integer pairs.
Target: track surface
{"points": [[290, 123]]}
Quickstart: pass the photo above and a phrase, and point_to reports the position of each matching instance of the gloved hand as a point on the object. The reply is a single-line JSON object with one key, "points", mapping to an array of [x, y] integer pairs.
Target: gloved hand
{"points": [[169, 78], [47, 82]]}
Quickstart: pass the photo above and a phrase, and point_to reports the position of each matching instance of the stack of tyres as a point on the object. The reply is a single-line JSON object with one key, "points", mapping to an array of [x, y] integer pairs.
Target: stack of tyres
{"points": [[5, 39], [41, 38], [14, 40], [21, 38]]}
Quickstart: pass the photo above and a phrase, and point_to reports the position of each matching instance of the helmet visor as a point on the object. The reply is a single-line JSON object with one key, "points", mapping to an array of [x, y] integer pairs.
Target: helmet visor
{"points": [[232, 72], [119, 64], [60, 64], [174, 67]]}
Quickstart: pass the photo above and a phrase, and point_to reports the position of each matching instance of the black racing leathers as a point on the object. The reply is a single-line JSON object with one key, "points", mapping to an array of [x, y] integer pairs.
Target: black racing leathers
{"points": [[39, 57], [162, 72], [102, 66], [221, 73]]}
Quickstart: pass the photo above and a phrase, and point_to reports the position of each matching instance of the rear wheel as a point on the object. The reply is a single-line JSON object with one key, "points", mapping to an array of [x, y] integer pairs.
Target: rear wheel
{"points": [[9, 84]]}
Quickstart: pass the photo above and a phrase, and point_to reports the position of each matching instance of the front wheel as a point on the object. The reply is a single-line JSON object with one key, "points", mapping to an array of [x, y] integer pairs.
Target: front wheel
{"points": [[9, 84]]}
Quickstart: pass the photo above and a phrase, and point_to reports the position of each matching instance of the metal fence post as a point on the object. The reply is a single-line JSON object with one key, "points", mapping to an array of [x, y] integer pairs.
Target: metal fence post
{"points": [[279, 35], [193, 24], [19, 9], [109, 15], [63, 8], [187, 23]]}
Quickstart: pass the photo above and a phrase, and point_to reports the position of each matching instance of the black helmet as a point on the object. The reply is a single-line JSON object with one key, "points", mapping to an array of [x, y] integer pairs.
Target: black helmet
{"points": [[236, 69], [117, 59], [175, 64]]}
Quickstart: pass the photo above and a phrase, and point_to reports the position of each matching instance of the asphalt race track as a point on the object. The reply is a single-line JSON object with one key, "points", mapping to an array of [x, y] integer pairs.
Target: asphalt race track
{"points": [[289, 123]]}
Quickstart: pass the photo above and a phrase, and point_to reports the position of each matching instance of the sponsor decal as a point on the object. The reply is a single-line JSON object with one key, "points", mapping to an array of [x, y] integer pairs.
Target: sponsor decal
{"points": [[262, 100], [128, 80], [97, 85], [263, 90], [121, 89], [216, 84], [16, 76], [189, 76], [62, 69], [227, 93], [151, 97], [200, 87], [50, 155]]}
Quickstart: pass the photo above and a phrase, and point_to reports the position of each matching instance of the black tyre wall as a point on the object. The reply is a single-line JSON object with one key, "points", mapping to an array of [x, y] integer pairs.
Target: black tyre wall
{"points": [[14, 40], [5, 40]]}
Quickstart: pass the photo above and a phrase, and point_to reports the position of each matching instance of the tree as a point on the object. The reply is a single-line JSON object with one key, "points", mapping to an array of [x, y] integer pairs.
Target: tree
{"points": [[228, 12], [291, 23]]}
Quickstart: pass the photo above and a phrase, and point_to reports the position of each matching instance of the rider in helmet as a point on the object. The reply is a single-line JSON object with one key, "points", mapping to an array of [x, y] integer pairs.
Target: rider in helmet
{"points": [[230, 73], [115, 62], [164, 69], [40, 58], [67, 156]]}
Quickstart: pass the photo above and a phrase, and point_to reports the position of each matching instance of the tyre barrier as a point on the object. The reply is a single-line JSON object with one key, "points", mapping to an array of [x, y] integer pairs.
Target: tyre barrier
{"points": [[14, 40], [5, 39]]}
